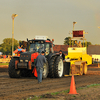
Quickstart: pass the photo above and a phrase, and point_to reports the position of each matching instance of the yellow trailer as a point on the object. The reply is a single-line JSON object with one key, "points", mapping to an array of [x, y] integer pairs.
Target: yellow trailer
{"points": [[77, 60]]}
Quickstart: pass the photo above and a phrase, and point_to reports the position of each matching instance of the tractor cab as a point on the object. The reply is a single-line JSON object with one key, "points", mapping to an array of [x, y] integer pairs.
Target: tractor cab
{"points": [[39, 44]]}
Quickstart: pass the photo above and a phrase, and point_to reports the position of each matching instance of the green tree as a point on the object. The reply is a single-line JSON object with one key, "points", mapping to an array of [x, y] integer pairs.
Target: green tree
{"points": [[88, 43], [6, 46], [68, 41]]}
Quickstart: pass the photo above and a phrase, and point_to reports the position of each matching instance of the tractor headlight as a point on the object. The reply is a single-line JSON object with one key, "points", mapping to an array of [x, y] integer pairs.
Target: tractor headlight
{"points": [[26, 60], [21, 60]]}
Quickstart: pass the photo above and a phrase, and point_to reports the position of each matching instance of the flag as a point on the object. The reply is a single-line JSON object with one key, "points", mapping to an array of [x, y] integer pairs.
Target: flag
{"points": [[35, 72]]}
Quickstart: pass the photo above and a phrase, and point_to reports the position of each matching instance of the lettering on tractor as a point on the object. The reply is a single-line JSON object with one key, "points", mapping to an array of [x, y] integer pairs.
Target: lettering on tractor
{"points": [[24, 64]]}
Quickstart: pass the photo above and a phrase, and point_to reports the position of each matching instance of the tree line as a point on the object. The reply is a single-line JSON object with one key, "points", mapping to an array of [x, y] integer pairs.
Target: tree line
{"points": [[6, 46], [68, 41]]}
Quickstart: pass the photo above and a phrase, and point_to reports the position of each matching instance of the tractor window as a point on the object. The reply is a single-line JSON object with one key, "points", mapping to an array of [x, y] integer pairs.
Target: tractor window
{"points": [[36, 47], [41, 48], [47, 49]]}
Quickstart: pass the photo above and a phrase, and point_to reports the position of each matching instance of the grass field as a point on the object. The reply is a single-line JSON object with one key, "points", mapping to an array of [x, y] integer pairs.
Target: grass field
{"points": [[4, 63], [85, 93]]}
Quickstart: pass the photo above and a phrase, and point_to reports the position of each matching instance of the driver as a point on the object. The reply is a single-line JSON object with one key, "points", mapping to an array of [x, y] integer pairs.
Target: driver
{"points": [[41, 48]]}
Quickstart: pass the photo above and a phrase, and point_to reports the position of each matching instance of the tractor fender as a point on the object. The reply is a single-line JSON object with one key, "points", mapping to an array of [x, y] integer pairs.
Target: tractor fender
{"points": [[51, 55]]}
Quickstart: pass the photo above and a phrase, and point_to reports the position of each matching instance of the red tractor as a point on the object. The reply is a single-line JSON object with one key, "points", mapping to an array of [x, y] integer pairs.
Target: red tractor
{"points": [[24, 64]]}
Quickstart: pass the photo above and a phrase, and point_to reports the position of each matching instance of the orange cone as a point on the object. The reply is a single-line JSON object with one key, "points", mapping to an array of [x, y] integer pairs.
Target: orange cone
{"points": [[72, 86]]}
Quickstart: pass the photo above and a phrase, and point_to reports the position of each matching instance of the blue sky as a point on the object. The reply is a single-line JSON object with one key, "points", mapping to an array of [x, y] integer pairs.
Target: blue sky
{"points": [[53, 18]]}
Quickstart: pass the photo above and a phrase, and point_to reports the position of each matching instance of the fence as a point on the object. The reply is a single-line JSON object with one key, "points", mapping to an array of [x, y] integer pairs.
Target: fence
{"points": [[5, 60]]}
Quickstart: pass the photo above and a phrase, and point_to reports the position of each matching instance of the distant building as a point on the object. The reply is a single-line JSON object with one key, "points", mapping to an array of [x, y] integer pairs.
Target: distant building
{"points": [[64, 48], [93, 49]]}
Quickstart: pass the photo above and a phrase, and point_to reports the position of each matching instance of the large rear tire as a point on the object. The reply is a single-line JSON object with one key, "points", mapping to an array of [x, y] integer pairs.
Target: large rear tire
{"points": [[45, 70], [13, 73], [51, 67], [59, 67]]}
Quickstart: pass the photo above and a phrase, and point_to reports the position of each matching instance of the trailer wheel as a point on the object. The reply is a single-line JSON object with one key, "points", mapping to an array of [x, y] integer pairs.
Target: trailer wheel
{"points": [[59, 67], [13, 73], [45, 70], [81, 69], [84, 68], [51, 67]]}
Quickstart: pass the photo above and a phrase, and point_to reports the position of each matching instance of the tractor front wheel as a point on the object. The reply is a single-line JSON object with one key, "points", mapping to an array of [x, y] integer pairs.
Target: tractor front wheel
{"points": [[13, 73]]}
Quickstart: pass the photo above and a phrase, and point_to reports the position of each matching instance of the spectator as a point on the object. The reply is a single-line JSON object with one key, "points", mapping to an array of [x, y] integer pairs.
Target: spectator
{"points": [[61, 54], [40, 60], [78, 44]]}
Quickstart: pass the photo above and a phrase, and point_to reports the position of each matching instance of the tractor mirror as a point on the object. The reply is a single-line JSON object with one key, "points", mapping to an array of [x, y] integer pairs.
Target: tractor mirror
{"points": [[27, 39], [52, 40]]}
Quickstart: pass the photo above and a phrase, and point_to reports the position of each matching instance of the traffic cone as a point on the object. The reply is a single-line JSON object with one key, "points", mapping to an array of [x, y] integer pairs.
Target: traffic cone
{"points": [[72, 86]]}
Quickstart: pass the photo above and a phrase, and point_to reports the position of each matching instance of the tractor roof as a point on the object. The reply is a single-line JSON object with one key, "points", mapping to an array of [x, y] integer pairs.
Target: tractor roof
{"points": [[41, 39]]}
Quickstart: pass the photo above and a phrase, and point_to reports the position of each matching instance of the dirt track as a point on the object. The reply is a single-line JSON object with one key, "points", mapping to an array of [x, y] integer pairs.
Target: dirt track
{"points": [[18, 89]]}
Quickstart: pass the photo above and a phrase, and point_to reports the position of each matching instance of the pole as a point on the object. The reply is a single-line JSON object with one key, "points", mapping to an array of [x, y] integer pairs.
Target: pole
{"points": [[83, 42], [13, 16], [73, 30], [74, 24], [12, 35]]}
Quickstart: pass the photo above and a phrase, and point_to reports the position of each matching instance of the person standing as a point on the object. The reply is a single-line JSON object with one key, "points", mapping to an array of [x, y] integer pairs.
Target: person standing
{"points": [[61, 54], [40, 60]]}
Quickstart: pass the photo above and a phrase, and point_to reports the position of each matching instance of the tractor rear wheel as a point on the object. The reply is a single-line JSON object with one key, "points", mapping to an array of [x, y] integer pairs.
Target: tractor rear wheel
{"points": [[13, 73], [59, 67], [45, 70], [51, 67]]}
